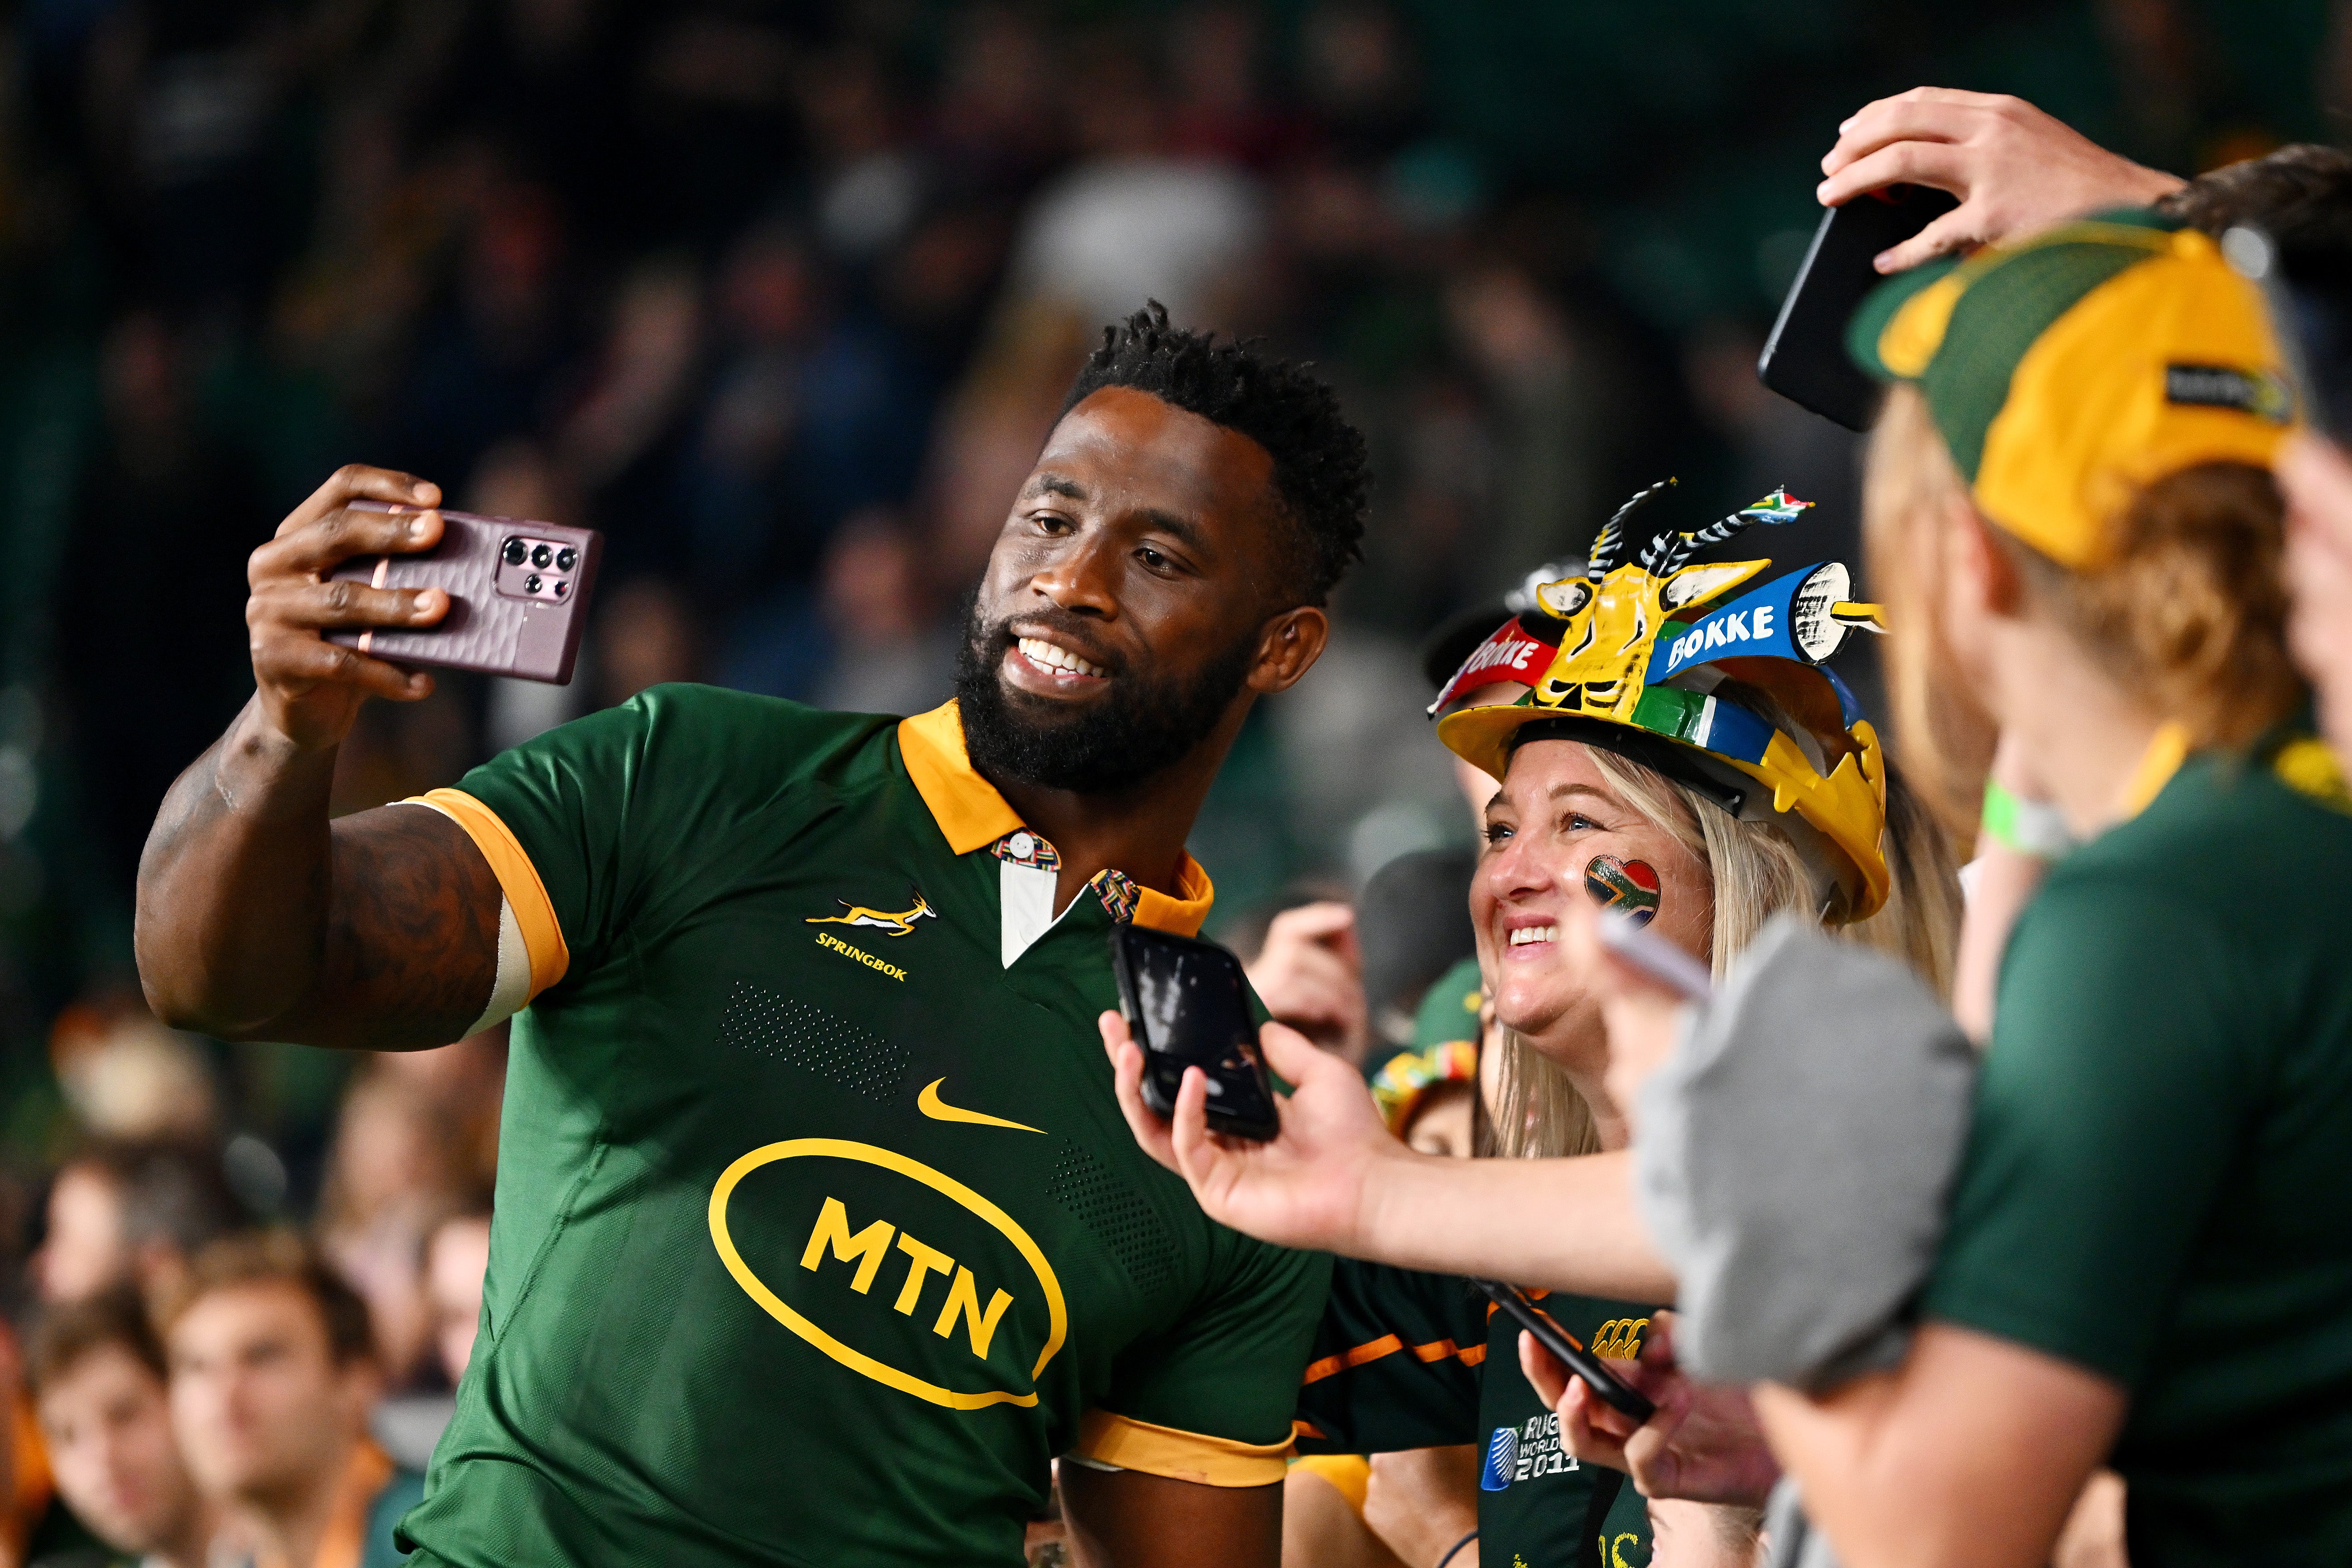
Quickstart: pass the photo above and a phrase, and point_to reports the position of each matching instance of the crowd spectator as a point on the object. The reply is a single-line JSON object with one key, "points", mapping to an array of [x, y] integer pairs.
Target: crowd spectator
{"points": [[2158, 611], [95, 1370], [130, 1215], [456, 1258], [273, 1374]]}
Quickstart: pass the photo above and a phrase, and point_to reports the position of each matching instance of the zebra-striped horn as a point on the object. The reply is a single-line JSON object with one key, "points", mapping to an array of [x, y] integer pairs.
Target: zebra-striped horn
{"points": [[1605, 542]]}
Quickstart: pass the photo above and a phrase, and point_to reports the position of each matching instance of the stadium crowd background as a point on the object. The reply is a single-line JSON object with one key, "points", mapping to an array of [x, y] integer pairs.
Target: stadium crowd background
{"points": [[783, 298]]}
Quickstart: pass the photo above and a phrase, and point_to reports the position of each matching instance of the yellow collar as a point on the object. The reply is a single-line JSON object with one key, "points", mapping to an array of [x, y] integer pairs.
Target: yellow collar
{"points": [[973, 815], [2167, 750]]}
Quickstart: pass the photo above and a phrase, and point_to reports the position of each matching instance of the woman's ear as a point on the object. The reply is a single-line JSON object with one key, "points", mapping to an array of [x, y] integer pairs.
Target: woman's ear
{"points": [[1288, 648], [1979, 569]]}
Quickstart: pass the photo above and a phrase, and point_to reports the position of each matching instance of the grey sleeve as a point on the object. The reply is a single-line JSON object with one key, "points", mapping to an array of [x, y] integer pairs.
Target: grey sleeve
{"points": [[1794, 1156]]}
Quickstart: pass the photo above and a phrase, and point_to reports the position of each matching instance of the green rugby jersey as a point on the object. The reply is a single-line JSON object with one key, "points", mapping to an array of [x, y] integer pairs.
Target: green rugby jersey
{"points": [[1409, 1359], [2155, 1187], [819, 1232]]}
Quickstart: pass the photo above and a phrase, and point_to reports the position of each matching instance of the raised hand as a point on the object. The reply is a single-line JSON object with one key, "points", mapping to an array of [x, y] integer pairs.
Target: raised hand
{"points": [[1310, 975], [1311, 1186], [309, 690], [1702, 1443], [2015, 169]]}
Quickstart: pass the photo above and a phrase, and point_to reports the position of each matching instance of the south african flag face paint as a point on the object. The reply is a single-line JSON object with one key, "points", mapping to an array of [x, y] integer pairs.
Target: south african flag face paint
{"points": [[1628, 886]]}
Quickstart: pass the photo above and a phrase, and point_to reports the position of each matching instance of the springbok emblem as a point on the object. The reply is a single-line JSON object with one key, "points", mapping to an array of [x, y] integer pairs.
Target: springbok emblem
{"points": [[1612, 613], [894, 925]]}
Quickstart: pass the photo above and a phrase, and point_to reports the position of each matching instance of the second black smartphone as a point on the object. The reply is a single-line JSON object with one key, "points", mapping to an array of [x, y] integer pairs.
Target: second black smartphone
{"points": [[1611, 1390], [1186, 1003], [1805, 359]]}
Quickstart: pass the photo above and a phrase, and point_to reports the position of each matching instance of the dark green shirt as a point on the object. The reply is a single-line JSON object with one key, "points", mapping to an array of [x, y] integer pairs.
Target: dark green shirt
{"points": [[819, 1232], [2158, 1184], [1408, 1360]]}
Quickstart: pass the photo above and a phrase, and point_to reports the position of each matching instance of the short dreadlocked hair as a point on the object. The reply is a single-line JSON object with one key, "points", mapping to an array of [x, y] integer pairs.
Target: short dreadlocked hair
{"points": [[1320, 469]]}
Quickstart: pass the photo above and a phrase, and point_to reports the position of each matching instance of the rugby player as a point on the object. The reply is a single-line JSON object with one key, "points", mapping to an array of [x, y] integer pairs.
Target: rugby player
{"points": [[818, 1233]]}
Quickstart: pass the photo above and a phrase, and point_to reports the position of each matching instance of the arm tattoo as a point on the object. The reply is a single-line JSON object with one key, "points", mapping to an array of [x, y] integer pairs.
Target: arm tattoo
{"points": [[411, 947]]}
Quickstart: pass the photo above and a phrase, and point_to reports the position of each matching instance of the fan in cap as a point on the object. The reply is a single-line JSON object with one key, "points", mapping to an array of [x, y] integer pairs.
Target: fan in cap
{"points": [[1734, 702]]}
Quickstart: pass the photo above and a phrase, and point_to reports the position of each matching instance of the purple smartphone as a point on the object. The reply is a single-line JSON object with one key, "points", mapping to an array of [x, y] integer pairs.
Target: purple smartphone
{"points": [[518, 595]]}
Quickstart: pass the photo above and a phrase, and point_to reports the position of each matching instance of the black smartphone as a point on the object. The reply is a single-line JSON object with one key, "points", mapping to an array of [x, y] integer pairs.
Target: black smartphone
{"points": [[518, 595], [1187, 1006], [2309, 290], [1627, 1402], [1805, 360]]}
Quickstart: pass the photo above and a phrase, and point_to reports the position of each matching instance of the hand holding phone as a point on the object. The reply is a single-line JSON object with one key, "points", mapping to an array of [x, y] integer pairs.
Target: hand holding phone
{"points": [[1805, 360], [517, 594], [1185, 1004], [1566, 1348]]}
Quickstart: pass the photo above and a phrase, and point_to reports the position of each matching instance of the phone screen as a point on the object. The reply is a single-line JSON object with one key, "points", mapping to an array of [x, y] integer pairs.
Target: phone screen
{"points": [[1185, 1002]]}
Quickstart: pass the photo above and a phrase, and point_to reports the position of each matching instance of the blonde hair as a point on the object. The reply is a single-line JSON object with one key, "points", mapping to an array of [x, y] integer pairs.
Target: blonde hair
{"points": [[2191, 610], [1754, 872]]}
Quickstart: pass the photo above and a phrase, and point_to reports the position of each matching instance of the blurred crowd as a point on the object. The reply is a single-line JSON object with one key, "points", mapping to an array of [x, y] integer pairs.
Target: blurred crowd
{"points": [[783, 299]]}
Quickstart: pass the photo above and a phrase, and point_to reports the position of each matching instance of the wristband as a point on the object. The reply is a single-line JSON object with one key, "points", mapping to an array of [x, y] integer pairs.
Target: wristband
{"points": [[1455, 1550], [2032, 828]]}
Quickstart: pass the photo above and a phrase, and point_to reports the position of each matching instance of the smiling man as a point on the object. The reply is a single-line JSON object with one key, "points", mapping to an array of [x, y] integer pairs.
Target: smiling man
{"points": [[818, 1231]]}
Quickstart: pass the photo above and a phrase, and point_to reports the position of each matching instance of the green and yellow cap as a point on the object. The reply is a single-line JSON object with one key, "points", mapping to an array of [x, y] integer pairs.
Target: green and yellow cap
{"points": [[2068, 370]]}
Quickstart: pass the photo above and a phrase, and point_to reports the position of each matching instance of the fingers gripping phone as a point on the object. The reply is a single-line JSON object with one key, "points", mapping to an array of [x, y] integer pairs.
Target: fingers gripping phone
{"points": [[518, 595], [1805, 360], [1185, 1004], [1565, 1348]]}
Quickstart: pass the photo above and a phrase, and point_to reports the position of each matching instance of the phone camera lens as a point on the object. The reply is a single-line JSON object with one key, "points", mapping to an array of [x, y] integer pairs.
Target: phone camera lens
{"points": [[540, 556], [558, 589], [566, 559], [530, 584], [515, 552]]}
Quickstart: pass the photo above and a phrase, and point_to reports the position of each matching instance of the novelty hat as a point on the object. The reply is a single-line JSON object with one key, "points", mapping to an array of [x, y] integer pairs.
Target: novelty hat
{"points": [[1736, 702], [2067, 370], [1405, 1080]]}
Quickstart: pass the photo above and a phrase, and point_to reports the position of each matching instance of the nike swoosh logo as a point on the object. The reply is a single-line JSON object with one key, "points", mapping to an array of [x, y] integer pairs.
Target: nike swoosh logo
{"points": [[929, 1103]]}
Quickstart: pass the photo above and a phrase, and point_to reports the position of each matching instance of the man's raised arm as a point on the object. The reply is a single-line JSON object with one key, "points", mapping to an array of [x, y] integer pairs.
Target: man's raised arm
{"points": [[257, 917]]}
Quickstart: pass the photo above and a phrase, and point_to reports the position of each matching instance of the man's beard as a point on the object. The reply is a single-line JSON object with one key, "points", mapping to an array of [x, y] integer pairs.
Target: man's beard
{"points": [[1104, 748]]}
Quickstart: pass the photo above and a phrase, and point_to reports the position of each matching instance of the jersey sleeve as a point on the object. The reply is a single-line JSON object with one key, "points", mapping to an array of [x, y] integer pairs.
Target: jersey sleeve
{"points": [[1397, 1363], [1210, 1399], [586, 825], [552, 816], [2106, 1115]]}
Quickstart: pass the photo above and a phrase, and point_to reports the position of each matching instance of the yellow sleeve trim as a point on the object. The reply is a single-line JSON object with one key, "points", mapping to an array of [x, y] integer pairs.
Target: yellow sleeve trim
{"points": [[1180, 1455], [1350, 1475], [534, 912]]}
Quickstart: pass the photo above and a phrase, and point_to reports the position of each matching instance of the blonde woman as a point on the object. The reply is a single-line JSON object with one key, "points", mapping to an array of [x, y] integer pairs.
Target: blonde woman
{"points": [[1641, 810]]}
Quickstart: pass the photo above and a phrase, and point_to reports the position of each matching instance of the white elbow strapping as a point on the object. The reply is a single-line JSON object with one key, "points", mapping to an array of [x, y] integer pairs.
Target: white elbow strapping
{"points": [[511, 990]]}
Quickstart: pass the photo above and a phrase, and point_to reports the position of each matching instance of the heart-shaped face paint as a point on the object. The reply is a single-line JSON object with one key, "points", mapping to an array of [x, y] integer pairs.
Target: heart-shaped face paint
{"points": [[1630, 886]]}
